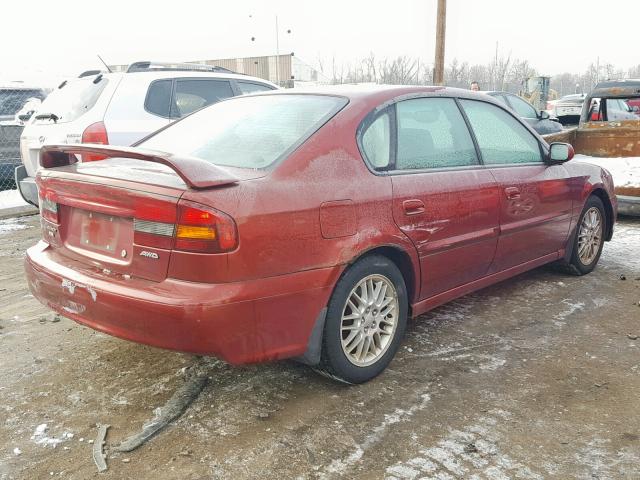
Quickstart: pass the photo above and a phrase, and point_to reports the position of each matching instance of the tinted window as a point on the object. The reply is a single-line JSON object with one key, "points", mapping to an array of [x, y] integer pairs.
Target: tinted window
{"points": [[248, 87], [74, 99], [522, 108], [247, 132], [192, 95], [501, 138], [376, 141], [158, 99], [432, 134]]}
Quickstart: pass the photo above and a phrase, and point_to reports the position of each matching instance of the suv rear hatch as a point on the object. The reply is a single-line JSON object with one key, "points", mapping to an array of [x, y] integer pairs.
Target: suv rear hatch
{"points": [[65, 114], [124, 215]]}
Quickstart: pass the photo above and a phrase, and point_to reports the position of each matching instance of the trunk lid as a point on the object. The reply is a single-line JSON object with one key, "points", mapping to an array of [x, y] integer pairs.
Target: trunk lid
{"points": [[119, 215]]}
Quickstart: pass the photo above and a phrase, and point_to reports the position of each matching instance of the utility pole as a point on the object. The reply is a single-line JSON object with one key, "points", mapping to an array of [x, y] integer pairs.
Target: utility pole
{"points": [[277, 53], [438, 66]]}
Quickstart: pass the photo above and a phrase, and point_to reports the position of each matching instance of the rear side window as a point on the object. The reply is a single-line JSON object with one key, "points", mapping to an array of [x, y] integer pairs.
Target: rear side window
{"points": [[193, 94], [158, 99], [248, 132], [74, 99], [432, 134], [376, 142], [502, 139], [249, 87], [522, 108]]}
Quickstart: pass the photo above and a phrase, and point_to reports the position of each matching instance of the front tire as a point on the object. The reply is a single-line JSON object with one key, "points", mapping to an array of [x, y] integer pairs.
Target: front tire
{"points": [[366, 320], [589, 238]]}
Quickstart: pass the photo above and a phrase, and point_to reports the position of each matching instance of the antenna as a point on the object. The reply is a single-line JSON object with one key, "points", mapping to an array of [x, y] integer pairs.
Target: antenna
{"points": [[105, 64]]}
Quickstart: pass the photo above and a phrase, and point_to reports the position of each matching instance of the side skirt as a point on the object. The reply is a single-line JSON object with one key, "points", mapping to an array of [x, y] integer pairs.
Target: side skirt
{"points": [[442, 298]]}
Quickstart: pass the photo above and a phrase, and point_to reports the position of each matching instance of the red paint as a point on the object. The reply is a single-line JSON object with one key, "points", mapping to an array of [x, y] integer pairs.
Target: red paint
{"points": [[290, 231]]}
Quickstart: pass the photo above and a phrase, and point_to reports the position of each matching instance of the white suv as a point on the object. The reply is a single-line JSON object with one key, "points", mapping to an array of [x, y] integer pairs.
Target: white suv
{"points": [[122, 108]]}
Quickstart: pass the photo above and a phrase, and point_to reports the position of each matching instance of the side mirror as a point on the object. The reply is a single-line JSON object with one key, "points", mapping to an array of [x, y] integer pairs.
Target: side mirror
{"points": [[544, 115], [560, 152]]}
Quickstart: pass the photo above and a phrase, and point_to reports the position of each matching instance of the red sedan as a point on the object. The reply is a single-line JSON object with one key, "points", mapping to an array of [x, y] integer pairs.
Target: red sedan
{"points": [[309, 225]]}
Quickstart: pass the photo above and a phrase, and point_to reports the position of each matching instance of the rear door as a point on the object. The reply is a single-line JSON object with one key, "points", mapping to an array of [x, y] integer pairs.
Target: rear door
{"points": [[535, 200], [443, 199]]}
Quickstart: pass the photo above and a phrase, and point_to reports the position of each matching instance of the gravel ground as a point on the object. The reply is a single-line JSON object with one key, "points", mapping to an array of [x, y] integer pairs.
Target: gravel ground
{"points": [[537, 377]]}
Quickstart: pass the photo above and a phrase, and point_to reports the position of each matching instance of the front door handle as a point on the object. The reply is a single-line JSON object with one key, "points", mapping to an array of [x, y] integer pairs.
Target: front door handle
{"points": [[413, 207], [512, 193]]}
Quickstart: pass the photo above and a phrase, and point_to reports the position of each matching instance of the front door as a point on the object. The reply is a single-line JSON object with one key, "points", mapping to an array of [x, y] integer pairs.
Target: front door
{"points": [[535, 199], [443, 199]]}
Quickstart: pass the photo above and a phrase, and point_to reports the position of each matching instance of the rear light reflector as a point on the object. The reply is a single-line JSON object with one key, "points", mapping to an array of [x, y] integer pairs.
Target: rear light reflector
{"points": [[48, 209], [95, 133], [153, 234], [197, 228]]}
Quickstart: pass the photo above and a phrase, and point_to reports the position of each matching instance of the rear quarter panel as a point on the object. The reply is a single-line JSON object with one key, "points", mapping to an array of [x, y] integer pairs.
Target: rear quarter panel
{"points": [[288, 220]]}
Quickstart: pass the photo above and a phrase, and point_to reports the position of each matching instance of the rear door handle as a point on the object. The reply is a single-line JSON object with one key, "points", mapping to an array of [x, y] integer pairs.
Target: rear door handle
{"points": [[512, 193], [413, 207]]}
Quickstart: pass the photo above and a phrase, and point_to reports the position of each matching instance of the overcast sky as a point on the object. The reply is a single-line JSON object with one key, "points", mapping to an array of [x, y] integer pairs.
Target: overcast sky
{"points": [[63, 37]]}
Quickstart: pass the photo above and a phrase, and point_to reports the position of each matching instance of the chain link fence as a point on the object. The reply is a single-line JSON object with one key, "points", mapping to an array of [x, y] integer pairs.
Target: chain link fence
{"points": [[17, 104]]}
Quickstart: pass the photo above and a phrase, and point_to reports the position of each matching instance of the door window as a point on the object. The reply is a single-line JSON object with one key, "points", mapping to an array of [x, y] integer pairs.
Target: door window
{"points": [[376, 142], [194, 94], [522, 108], [432, 134], [502, 138], [250, 87]]}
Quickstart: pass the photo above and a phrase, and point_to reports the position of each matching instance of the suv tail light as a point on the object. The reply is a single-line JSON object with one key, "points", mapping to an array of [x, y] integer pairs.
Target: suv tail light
{"points": [[193, 228], [95, 133]]}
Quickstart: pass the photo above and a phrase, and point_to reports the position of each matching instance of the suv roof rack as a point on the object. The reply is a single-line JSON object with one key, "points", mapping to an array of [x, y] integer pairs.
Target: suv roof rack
{"points": [[148, 66]]}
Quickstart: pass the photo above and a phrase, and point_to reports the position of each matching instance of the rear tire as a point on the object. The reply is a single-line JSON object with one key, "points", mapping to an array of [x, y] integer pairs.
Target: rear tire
{"points": [[366, 320], [589, 237]]}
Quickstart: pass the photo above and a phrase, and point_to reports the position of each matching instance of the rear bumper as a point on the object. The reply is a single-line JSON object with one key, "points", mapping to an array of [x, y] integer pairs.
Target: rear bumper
{"points": [[245, 322], [26, 185], [628, 205]]}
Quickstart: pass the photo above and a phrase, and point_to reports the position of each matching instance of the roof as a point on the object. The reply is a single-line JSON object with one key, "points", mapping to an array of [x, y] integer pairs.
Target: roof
{"points": [[617, 88], [380, 93]]}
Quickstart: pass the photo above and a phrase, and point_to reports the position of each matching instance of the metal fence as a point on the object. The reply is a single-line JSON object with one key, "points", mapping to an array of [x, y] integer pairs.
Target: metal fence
{"points": [[16, 105]]}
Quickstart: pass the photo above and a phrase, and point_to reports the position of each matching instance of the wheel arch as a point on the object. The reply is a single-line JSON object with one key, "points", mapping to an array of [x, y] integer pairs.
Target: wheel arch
{"points": [[401, 258], [608, 207]]}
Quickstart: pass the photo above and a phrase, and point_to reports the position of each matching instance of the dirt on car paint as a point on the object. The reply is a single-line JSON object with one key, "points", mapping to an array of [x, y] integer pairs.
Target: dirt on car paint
{"points": [[537, 377]]}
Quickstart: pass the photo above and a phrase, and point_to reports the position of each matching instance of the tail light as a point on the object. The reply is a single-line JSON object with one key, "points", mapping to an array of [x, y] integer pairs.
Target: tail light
{"points": [[48, 207], [95, 133], [192, 228]]}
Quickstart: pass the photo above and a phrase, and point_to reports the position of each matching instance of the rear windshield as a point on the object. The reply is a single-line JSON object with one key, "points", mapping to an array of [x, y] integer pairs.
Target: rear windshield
{"points": [[74, 99], [247, 132]]}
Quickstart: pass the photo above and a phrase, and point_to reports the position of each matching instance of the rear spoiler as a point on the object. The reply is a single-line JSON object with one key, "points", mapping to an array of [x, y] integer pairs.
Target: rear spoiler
{"points": [[195, 172]]}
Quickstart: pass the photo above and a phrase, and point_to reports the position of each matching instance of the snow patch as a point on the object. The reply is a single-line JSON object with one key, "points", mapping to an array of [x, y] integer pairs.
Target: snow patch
{"points": [[11, 199], [11, 225], [624, 170], [340, 466]]}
